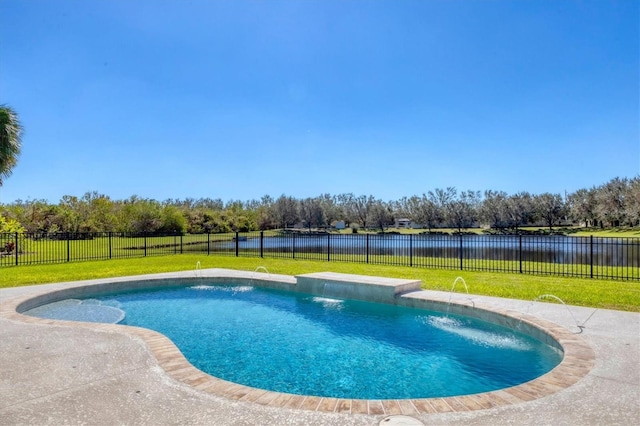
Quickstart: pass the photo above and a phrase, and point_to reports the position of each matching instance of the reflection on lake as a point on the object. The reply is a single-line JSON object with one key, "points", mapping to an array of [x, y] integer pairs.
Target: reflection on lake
{"points": [[525, 248]]}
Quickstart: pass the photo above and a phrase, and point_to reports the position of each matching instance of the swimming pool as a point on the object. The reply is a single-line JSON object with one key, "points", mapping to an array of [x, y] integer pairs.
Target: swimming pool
{"points": [[577, 362], [307, 344]]}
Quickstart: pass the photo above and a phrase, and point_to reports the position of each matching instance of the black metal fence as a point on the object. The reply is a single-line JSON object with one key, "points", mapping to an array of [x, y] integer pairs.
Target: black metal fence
{"points": [[594, 257]]}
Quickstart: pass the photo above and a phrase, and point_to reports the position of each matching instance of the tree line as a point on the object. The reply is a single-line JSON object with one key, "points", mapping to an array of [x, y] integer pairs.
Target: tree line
{"points": [[615, 203]]}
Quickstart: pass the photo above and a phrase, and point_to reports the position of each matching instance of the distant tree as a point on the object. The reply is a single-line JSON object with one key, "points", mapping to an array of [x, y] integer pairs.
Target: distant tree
{"points": [[207, 203], [40, 216], [139, 215], [172, 220], [239, 218], [421, 210], [9, 225], [582, 206], [493, 210], [431, 214], [209, 220], [10, 141], [614, 203], [358, 209], [344, 206], [311, 213], [69, 214], [15, 211], [462, 211], [331, 209], [610, 201], [442, 198], [102, 213], [549, 208], [381, 214], [265, 214], [402, 208], [632, 201], [92, 212], [285, 211], [520, 210]]}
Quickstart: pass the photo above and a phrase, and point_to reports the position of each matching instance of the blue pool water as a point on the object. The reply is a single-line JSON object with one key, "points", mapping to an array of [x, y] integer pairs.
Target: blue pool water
{"points": [[303, 344]]}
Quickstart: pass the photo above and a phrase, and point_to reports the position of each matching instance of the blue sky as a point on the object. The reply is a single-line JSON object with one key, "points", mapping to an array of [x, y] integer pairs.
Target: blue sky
{"points": [[240, 99]]}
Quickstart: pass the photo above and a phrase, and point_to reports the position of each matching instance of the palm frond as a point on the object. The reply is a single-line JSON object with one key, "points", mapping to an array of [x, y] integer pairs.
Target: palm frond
{"points": [[10, 141]]}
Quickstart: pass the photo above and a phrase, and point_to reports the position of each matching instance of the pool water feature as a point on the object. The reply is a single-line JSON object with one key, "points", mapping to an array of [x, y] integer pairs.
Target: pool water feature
{"points": [[307, 344]]}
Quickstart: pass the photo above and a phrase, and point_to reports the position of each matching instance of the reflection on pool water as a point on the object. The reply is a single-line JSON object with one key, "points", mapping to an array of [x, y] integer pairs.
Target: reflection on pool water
{"points": [[305, 344]]}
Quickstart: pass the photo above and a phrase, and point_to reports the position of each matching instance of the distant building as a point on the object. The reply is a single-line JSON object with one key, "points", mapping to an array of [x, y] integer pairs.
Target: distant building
{"points": [[407, 223], [402, 223], [339, 224]]}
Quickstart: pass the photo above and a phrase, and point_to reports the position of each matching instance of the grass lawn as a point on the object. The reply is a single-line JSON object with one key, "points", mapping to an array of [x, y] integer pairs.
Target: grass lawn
{"points": [[610, 233], [608, 294]]}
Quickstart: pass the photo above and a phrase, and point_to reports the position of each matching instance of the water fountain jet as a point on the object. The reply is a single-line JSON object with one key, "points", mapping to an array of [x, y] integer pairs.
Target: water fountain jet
{"points": [[259, 269], [556, 298], [198, 270], [455, 282]]}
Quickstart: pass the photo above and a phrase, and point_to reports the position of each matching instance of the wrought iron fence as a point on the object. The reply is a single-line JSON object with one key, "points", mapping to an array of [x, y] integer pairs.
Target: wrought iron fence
{"points": [[595, 257]]}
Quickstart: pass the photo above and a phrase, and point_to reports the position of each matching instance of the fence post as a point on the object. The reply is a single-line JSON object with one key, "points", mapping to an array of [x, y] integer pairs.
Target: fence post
{"points": [[591, 254], [16, 248], [367, 245], [293, 246], [328, 247], [410, 249], [261, 243], [520, 251], [181, 249], [208, 243], [237, 243], [144, 235], [68, 247], [110, 255], [460, 250]]}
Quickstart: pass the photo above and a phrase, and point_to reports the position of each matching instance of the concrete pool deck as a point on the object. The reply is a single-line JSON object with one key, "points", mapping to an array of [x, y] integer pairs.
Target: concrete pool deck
{"points": [[73, 373]]}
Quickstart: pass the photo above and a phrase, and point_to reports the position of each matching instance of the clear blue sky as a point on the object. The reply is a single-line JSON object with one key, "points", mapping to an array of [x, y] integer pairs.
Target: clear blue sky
{"points": [[239, 99]]}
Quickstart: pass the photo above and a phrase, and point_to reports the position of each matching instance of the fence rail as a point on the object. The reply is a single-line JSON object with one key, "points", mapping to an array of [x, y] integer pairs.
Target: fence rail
{"points": [[594, 257]]}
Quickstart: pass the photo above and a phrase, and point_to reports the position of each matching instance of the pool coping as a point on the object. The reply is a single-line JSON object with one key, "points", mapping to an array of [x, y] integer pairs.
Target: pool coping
{"points": [[578, 360]]}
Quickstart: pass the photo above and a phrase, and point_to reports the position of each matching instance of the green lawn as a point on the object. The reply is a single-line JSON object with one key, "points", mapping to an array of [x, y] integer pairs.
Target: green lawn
{"points": [[619, 295], [610, 233], [45, 250]]}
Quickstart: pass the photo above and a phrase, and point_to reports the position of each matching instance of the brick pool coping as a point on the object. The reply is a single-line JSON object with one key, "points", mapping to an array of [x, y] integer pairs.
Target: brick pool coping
{"points": [[578, 360]]}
